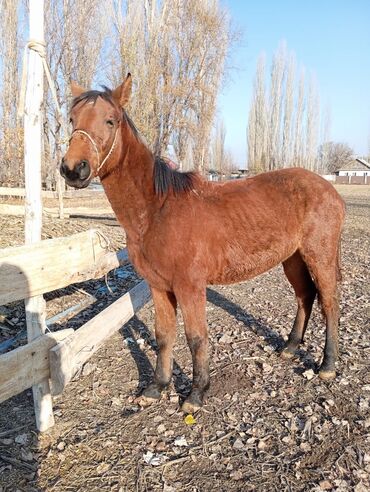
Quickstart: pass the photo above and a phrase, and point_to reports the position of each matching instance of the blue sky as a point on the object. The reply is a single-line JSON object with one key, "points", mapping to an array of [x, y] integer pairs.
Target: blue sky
{"points": [[329, 37]]}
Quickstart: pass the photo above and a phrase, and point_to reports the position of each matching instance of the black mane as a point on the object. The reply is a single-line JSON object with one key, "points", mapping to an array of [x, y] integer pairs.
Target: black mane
{"points": [[165, 178]]}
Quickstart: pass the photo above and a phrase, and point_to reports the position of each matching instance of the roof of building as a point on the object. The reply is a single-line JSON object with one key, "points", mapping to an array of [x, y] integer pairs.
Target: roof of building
{"points": [[356, 165]]}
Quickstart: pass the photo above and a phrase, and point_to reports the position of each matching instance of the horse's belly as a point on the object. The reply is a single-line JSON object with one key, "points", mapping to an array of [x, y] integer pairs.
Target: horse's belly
{"points": [[238, 265]]}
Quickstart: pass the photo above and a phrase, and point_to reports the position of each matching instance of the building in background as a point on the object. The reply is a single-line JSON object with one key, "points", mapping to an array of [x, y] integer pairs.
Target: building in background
{"points": [[355, 172]]}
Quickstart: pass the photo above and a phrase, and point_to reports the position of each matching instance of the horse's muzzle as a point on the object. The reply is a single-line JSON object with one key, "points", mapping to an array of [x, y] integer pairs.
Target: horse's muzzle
{"points": [[79, 176]]}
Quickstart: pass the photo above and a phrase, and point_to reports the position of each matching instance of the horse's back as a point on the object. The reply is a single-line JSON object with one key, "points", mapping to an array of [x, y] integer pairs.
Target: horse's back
{"points": [[295, 184], [251, 225], [285, 199]]}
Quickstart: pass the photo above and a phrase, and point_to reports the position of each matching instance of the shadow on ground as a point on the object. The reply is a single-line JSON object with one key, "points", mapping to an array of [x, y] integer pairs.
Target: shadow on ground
{"points": [[259, 328]]}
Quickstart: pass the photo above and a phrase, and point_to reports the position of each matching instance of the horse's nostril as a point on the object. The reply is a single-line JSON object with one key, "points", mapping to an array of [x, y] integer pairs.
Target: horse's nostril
{"points": [[83, 169], [63, 168]]}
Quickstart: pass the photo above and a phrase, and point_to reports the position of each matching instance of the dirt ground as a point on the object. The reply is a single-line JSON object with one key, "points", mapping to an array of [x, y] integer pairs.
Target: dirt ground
{"points": [[267, 425]]}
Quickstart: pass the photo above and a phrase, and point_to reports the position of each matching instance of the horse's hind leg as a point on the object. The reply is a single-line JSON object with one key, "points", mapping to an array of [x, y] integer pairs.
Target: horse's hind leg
{"points": [[325, 270], [330, 308], [297, 273], [165, 332], [326, 281]]}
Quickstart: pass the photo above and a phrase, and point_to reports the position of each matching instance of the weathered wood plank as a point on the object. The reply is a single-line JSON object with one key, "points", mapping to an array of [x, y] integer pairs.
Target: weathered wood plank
{"points": [[86, 193], [80, 211], [44, 266], [7, 191], [10, 209], [28, 365], [21, 192], [68, 357], [18, 211]]}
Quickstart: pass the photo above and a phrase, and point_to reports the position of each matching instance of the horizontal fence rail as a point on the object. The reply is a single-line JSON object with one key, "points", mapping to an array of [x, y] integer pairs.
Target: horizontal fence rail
{"points": [[19, 210], [41, 267], [21, 193], [28, 365]]}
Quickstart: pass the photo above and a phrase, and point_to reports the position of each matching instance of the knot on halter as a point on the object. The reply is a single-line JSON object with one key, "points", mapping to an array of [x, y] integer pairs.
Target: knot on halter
{"points": [[95, 147]]}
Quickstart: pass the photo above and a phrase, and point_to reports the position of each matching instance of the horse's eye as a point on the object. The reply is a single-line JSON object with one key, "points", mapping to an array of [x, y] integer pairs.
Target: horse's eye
{"points": [[110, 123]]}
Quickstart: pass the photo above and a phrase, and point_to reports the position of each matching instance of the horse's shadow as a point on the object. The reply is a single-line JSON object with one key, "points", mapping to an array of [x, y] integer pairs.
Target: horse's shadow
{"points": [[145, 369], [182, 383], [253, 324], [256, 326]]}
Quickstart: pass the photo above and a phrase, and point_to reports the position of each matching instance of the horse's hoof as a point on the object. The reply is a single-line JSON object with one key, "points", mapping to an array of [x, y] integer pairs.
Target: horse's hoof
{"points": [[190, 407], [150, 395], [153, 391], [327, 375], [193, 402], [286, 354], [145, 401]]}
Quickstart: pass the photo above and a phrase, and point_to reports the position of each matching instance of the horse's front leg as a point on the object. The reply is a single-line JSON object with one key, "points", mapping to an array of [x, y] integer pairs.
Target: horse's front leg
{"points": [[193, 307], [165, 332]]}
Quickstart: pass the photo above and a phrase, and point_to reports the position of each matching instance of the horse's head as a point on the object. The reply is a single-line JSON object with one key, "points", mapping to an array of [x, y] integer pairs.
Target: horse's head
{"points": [[96, 119]]}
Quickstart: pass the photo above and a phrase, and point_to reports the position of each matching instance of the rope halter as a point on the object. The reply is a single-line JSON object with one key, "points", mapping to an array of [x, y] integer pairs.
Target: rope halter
{"points": [[95, 147]]}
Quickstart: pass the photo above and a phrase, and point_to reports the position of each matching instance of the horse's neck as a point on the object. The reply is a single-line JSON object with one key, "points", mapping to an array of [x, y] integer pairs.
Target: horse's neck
{"points": [[129, 188]]}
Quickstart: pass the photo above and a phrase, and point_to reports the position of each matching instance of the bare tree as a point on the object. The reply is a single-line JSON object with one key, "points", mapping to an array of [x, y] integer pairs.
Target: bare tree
{"points": [[276, 88], [187, 161], [257, 124], [299, 129], [177, 57], [74, 36], [213, 42], [251, 139], [75, 31], [11, 148], [312, 126], [218, 151], [230, 164], [338, 155], [289, 136], [324, 137], [176, 51], [287, 140]]}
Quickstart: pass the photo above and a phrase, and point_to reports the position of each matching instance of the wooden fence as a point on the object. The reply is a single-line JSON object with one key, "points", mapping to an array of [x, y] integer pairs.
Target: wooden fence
{"points": [[19, 211], [32, 270], [7, 191]]}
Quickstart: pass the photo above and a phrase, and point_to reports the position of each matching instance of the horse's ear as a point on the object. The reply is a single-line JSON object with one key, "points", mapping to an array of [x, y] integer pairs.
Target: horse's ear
{"points": [[123, 92], [76, 89]]}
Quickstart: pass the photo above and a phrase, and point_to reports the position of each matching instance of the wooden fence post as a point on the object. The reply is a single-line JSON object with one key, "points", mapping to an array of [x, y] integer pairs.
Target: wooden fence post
{"points": [[35, 306]]}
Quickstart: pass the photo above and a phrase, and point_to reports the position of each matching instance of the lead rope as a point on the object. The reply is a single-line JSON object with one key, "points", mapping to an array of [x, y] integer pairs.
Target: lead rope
{"points": [[95, 147]]}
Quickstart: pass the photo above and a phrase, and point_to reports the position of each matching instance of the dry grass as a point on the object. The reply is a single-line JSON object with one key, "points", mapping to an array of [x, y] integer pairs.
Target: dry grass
{"points": [[353, 191]]}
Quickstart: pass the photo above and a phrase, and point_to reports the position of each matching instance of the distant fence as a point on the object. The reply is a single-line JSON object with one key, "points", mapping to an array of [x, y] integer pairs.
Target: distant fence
{"points": [[19, 211], [35, 269], [358, 180], [79, 211], [21, 193]]}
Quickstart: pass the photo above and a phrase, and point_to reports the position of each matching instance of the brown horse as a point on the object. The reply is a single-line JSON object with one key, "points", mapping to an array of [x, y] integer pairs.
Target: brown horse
{"points": [[184, 232]]}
